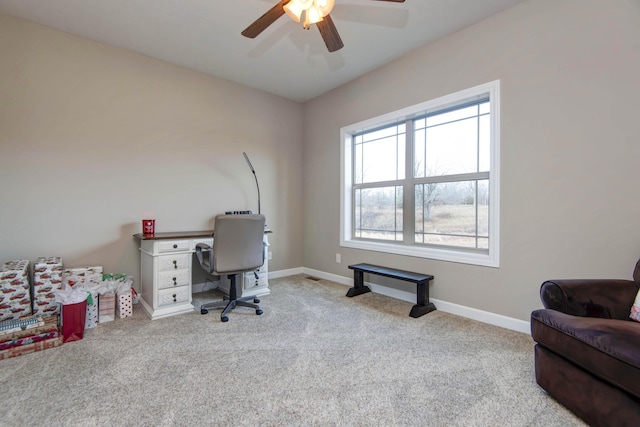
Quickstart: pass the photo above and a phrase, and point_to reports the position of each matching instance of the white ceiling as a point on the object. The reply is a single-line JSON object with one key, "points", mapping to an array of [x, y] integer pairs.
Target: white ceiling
{"points": [[285, 59]]}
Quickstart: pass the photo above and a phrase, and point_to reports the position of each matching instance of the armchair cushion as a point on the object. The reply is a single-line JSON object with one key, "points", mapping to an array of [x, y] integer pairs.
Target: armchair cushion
{"points": [[608, 348], [603, 298]]}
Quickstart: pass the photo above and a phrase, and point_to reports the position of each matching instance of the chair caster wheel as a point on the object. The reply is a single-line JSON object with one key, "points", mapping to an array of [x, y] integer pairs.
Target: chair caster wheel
{"points": [[259, 312], [256, 300], [203, 311], [224, 318]]}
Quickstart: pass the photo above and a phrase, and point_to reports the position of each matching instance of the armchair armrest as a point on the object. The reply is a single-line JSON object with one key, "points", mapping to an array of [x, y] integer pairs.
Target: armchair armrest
{"points": [[604, 298]]}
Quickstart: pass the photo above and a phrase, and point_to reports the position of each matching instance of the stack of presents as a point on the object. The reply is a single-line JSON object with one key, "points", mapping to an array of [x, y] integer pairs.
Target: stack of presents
{"points": [[30, 311]]}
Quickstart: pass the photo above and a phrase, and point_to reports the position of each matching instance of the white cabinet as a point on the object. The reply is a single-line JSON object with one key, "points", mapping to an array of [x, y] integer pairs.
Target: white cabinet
{"points": [[166, 272]]}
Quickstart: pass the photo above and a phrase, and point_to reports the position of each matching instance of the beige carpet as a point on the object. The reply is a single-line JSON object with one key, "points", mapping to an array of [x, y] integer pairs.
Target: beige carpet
{"points": [[315, 357]]}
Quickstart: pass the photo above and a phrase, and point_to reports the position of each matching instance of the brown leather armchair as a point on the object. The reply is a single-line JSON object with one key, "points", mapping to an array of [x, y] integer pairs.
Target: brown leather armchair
{"points": [[587, 354]]}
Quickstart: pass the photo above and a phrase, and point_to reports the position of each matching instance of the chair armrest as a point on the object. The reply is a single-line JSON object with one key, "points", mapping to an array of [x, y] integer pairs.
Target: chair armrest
{"points": [[204, 254], [604, 298]]}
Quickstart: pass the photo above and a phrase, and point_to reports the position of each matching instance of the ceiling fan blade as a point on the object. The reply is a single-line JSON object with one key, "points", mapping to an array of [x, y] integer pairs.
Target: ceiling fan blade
{"points": [[330, 34], [261, 24]]}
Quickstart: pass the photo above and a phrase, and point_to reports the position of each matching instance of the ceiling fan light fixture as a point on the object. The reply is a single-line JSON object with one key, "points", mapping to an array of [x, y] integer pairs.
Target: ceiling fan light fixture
{"points": [[294, 10], [325, 6], [314, 10], [312, 16]]}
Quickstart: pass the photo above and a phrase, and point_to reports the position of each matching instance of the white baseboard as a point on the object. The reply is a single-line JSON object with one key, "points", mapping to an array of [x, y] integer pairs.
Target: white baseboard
{"points": [[447, 307], [285, 273]]}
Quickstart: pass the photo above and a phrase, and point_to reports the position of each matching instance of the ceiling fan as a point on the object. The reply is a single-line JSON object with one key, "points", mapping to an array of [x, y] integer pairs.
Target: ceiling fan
{"points": [[315, 12]]}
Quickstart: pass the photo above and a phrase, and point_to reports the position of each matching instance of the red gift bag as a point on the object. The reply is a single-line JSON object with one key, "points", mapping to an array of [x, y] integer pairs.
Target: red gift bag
{"points": [[73, 318]]}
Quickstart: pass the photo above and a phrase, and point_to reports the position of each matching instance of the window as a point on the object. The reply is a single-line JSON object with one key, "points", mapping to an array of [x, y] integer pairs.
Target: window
{"points": [[424, 181]]}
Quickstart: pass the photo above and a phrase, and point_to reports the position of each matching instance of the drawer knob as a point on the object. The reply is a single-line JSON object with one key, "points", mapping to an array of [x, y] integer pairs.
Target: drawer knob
{"points": [[174, 298], [175, 246], [175, 264], [175, 281]]}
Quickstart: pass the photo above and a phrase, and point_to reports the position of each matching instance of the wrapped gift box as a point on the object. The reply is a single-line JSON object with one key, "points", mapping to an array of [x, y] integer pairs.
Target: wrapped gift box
{"points": [[30, 339], [15, 294], [124, 304], [13, 329], [82, 275], [47, 279], [39, 335], [30, 348], [107, 307]]}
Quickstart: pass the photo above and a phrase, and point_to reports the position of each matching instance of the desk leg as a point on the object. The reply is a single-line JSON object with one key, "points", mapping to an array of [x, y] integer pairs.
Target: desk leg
{"points": [[423, 305], [358, 284]]}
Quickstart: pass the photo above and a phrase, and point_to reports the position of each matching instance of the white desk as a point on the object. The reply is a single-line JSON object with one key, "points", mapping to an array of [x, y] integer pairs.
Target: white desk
{"points": [[166, 272]]}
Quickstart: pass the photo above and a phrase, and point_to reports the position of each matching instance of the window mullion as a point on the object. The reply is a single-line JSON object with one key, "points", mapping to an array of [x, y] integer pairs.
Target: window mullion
{"points": [[380, 184], [408, 205], [353, 215], [452, 178], [477, 215], [477, 169]]}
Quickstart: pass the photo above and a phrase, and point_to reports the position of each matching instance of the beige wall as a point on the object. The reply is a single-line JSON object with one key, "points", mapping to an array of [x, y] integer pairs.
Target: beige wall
{"points": [[93, 139], [570, 91]]}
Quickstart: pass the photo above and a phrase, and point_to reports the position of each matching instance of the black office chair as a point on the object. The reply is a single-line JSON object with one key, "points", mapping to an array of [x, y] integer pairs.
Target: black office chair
{"points": [[238, 247]]}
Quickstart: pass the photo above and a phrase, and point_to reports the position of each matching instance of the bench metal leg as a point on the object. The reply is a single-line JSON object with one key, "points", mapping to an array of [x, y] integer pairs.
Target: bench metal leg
{"points": [[423, 305], [358, 285]]}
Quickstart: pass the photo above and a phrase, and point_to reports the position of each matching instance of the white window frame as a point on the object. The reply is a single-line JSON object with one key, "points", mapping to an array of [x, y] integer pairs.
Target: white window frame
{"points": [[489, 258]]}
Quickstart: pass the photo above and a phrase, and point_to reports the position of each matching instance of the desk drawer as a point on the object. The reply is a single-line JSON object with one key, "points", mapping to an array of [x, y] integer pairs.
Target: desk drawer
{"points": [[179, 295], [174, 279], [173, 246], [174, 262]]}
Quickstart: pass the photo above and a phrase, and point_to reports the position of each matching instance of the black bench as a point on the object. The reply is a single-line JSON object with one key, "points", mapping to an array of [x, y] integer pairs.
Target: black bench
{"points": [[423, 305]]}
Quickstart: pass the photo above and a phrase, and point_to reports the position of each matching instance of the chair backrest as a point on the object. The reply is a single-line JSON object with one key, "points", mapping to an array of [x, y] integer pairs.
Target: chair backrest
{"points": [[238, 243]]}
